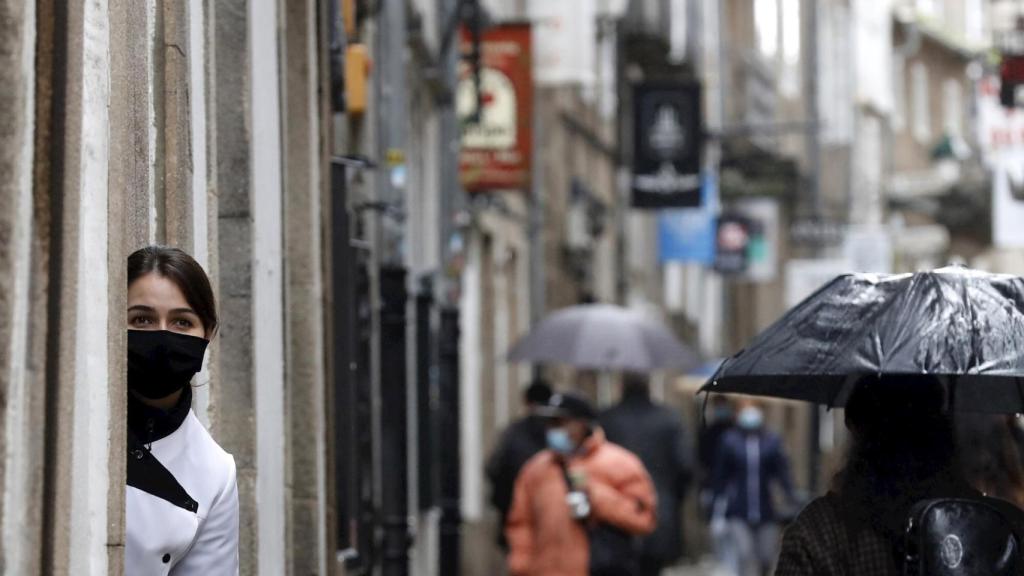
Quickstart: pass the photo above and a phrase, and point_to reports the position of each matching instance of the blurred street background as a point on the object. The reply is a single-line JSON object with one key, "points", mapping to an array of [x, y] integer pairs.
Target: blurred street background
{"points": [[389, 194]]}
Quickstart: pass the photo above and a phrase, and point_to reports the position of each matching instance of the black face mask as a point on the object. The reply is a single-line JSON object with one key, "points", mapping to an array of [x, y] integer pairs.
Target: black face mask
{"points": [[160, 362]]}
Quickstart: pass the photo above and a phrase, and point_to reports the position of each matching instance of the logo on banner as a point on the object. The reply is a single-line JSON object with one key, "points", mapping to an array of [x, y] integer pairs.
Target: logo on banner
{"points": [[667, 145], [732, 244], [497, 128]]}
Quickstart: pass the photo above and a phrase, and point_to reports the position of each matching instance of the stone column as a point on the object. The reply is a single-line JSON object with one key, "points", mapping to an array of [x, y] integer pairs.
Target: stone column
{"points": [[232, 399], [306, 449], [18, 395]]}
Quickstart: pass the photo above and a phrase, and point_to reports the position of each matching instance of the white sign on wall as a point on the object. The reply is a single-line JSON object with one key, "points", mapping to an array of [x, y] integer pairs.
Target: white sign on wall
{"points": [[1001, 134], [564, 41], [869, 249], [805, 276]]}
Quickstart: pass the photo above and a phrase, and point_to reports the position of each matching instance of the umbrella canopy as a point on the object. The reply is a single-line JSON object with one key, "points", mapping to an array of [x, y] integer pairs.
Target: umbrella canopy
{"points": [[963, 325], [603, 337]]}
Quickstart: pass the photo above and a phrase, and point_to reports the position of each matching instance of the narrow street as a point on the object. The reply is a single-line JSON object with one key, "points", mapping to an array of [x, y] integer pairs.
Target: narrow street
{"points": [[478, 287]]}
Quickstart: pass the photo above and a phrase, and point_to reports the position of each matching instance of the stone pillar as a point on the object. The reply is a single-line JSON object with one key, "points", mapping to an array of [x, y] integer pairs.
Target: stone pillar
{"points": [[19, 395], [306, 448], [84, 478], [232, 399], [133, 150], [175, 126]]}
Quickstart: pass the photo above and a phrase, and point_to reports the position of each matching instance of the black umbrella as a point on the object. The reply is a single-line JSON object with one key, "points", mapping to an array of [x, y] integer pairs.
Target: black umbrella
{"points": [[963, 325]]}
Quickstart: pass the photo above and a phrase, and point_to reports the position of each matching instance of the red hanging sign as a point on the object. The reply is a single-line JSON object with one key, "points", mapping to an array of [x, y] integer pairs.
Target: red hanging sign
{"points": [[497, 138]]}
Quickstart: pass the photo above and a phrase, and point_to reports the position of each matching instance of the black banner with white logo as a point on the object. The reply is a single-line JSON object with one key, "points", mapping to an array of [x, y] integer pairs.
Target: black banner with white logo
{"points": [[667, 144]]}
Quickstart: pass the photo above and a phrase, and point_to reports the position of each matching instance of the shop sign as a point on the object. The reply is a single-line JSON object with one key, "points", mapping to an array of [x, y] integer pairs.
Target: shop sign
{"points": [[732, 243], [688, 234], [497, 139], [667, 145], [762, 249], [1001, 136], [564, 33]]}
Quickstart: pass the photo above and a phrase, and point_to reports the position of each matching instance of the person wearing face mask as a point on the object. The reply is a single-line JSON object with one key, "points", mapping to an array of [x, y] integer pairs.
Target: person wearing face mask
{"points": [[182, 496], [744, 521], [578, 504]]}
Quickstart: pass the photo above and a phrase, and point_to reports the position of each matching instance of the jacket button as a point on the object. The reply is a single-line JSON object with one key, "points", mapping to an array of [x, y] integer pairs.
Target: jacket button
{"points": [[166, 558], [138, 454]]}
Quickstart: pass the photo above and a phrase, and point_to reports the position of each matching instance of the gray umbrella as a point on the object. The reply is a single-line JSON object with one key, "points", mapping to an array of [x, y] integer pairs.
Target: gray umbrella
{"points": [[604, 337]]}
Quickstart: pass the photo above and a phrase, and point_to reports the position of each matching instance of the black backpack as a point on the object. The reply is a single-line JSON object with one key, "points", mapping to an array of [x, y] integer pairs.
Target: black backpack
{"points": [[964, 537]]}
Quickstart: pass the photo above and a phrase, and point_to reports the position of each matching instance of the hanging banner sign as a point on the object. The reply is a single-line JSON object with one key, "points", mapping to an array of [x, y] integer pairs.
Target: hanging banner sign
{"points": [[667, 145], [497, 138], [688, 234]]}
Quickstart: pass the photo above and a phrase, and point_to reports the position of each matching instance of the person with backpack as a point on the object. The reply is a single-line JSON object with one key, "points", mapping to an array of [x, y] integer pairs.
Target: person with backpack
{"points": [[578, 505], [656, 435], [903, 452]]}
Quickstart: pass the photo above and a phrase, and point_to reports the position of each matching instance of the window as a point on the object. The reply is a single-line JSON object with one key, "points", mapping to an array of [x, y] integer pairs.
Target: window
{"points": [[766, 22], [835, 70], [899, 93], [930, 8], [678, 22], [974, 21], [791, 34], [952, 107], [921, 109]]}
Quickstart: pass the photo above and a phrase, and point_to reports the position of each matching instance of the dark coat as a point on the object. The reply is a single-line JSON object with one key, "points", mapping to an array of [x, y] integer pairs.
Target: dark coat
{"points": [[709, 440], [749, 498], [656, 435], [522, 440], [819, 543]]}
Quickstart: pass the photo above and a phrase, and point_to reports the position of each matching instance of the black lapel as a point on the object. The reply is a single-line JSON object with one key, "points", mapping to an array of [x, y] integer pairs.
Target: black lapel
{"points": [[146, 473]]}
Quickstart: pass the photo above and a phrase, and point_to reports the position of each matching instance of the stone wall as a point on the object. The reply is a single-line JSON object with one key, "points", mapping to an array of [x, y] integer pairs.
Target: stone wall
{"points": [[130, 123]]}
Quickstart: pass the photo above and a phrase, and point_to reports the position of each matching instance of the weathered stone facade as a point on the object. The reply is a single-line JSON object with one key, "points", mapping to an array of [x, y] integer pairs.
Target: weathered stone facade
{"points": [[131, 123]]}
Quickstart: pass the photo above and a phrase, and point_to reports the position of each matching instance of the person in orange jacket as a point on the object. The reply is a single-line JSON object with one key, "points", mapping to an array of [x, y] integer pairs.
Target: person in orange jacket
{"points": [[582, 488]]}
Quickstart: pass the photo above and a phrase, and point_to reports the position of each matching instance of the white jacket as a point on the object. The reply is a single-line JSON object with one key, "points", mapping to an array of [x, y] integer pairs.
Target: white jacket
{"points": [[182, 506]]}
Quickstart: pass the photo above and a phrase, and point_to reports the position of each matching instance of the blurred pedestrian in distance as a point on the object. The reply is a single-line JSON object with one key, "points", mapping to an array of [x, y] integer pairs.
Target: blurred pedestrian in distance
{"points": [[751, 459], [991, 461], [721, 417], [902, 451], [655, 434], [578, 504], [521, 441]]}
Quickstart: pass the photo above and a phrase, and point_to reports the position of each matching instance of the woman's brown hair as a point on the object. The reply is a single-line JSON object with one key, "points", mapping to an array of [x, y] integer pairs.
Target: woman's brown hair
{"points": [[180, 268]]}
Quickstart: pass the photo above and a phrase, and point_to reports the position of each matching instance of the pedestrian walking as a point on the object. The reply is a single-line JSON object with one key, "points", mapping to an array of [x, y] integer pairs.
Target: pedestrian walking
{"points": [[521, 441], [721, 419], [182, 497], [655, 434], [578, 505], [903, 451], [751, 460]]}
